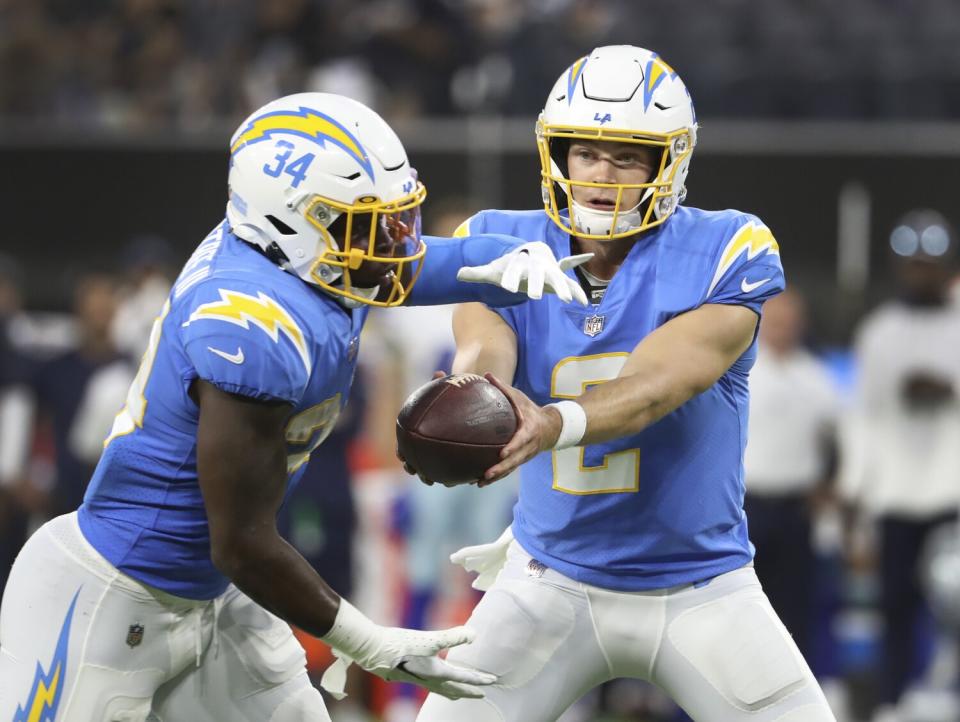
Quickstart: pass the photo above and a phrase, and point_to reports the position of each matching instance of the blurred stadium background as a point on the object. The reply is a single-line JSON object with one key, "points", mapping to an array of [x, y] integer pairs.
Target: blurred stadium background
{"points": [[830, 120]]}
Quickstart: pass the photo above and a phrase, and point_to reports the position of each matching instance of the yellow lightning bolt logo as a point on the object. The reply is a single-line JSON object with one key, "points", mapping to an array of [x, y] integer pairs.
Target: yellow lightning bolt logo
{"points": [[753, 239], [47, 688], [45, 696], [656, 71], [260, 310], [305, 123], [573, 76]]}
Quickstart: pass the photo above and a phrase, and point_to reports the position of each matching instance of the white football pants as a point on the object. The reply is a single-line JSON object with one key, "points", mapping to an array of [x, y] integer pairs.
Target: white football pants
{"points": [[81, 638], [717, 649]]}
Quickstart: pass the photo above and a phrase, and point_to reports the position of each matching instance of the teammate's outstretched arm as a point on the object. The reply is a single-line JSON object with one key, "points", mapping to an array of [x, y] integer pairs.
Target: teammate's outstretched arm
{"points": [[242, 457], [495, 269], [679, 360]]}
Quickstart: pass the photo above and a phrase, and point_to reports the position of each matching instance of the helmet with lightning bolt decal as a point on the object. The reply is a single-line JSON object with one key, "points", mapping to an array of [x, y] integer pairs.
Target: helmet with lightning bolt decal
{"points": [[322, 185], [619, 94]]}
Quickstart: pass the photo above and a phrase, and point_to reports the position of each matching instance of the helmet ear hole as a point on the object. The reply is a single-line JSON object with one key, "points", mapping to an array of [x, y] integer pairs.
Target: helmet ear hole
{"points": [[559, 150], [281, 227]]}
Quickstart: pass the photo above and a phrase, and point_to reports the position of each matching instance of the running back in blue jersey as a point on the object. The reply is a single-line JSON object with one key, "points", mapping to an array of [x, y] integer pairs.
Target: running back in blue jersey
{"points": [[237, 321], [662, 507]]}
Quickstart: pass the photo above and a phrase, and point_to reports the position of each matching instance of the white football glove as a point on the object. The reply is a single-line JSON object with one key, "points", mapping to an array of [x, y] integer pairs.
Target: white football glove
{"points": [[531, 269], [399, 655], [485, 559]]}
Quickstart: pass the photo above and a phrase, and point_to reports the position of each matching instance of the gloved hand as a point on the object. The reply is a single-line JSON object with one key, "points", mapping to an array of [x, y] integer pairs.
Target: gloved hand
{"points": [[485, 559], [531, 269], [399, 655]]}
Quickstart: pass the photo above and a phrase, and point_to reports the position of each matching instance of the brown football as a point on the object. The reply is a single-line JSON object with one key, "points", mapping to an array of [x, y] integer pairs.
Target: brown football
{"points": [[452, 429]]}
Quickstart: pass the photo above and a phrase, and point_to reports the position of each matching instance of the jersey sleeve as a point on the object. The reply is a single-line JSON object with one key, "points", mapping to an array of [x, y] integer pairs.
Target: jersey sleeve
{"points": [[246, 341], [471, 226], [747, 270], [445, 257]]}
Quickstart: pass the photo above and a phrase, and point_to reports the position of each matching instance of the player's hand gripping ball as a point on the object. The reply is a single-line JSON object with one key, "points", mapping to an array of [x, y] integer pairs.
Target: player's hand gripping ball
{"points": [[452, 429]]}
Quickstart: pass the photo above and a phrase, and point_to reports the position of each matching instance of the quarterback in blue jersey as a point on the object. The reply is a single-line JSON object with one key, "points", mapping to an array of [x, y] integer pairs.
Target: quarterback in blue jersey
{"points": [[167, 595], [628, 555]]}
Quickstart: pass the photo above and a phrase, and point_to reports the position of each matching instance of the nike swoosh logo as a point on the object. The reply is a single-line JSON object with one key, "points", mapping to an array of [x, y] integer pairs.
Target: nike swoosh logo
{"points": [[234, 358], [747, 287]]}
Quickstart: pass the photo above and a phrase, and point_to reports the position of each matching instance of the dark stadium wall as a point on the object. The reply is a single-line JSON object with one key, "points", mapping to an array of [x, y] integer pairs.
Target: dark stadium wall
{"points": [[76, 207]]}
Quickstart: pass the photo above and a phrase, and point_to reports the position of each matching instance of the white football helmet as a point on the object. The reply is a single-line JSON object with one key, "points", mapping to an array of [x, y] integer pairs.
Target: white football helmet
{"points": [[623, 94], [322, 185]]}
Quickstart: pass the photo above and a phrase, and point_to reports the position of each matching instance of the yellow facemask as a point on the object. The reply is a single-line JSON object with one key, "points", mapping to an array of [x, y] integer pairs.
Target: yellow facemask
{"points": [[656, 197], [369, 231]]}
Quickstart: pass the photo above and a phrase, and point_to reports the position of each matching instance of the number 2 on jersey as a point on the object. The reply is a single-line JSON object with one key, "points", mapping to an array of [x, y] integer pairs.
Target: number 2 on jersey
{"points": [[620, 471]]}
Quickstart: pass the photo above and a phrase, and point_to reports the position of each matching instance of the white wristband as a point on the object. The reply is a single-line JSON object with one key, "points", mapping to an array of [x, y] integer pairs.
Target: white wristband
{"points": [[574, 423], [351, 636], [352, 631]]}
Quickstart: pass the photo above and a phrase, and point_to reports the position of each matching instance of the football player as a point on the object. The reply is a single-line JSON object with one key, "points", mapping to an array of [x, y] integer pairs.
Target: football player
{"points": [[628, 555], [168, 593]]}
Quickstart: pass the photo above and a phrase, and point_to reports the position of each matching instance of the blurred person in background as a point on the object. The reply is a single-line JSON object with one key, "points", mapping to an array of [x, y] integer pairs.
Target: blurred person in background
{"points": [[901, 456], [414, 46], [171, 577], [152, 64], [147, 271], [145, 278], [61, 385], [789, 459], [16, 418]]}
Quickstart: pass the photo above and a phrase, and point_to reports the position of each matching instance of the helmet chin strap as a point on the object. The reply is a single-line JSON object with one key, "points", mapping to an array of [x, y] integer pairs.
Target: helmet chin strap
{"points": [[595, 222], [366, 293]]}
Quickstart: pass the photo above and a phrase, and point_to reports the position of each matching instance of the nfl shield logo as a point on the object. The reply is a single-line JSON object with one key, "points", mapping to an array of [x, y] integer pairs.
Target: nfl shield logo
{"points": [[134, 635], [592, 325]]}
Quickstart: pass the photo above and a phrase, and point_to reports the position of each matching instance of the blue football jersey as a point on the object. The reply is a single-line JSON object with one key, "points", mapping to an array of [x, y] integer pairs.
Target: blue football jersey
{"points": [[240, 323], [665, 506]]}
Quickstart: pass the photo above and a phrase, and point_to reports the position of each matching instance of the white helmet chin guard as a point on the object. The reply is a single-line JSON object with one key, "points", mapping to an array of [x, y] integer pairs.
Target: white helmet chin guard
{"points": [[322, 184], [617, 94]]}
